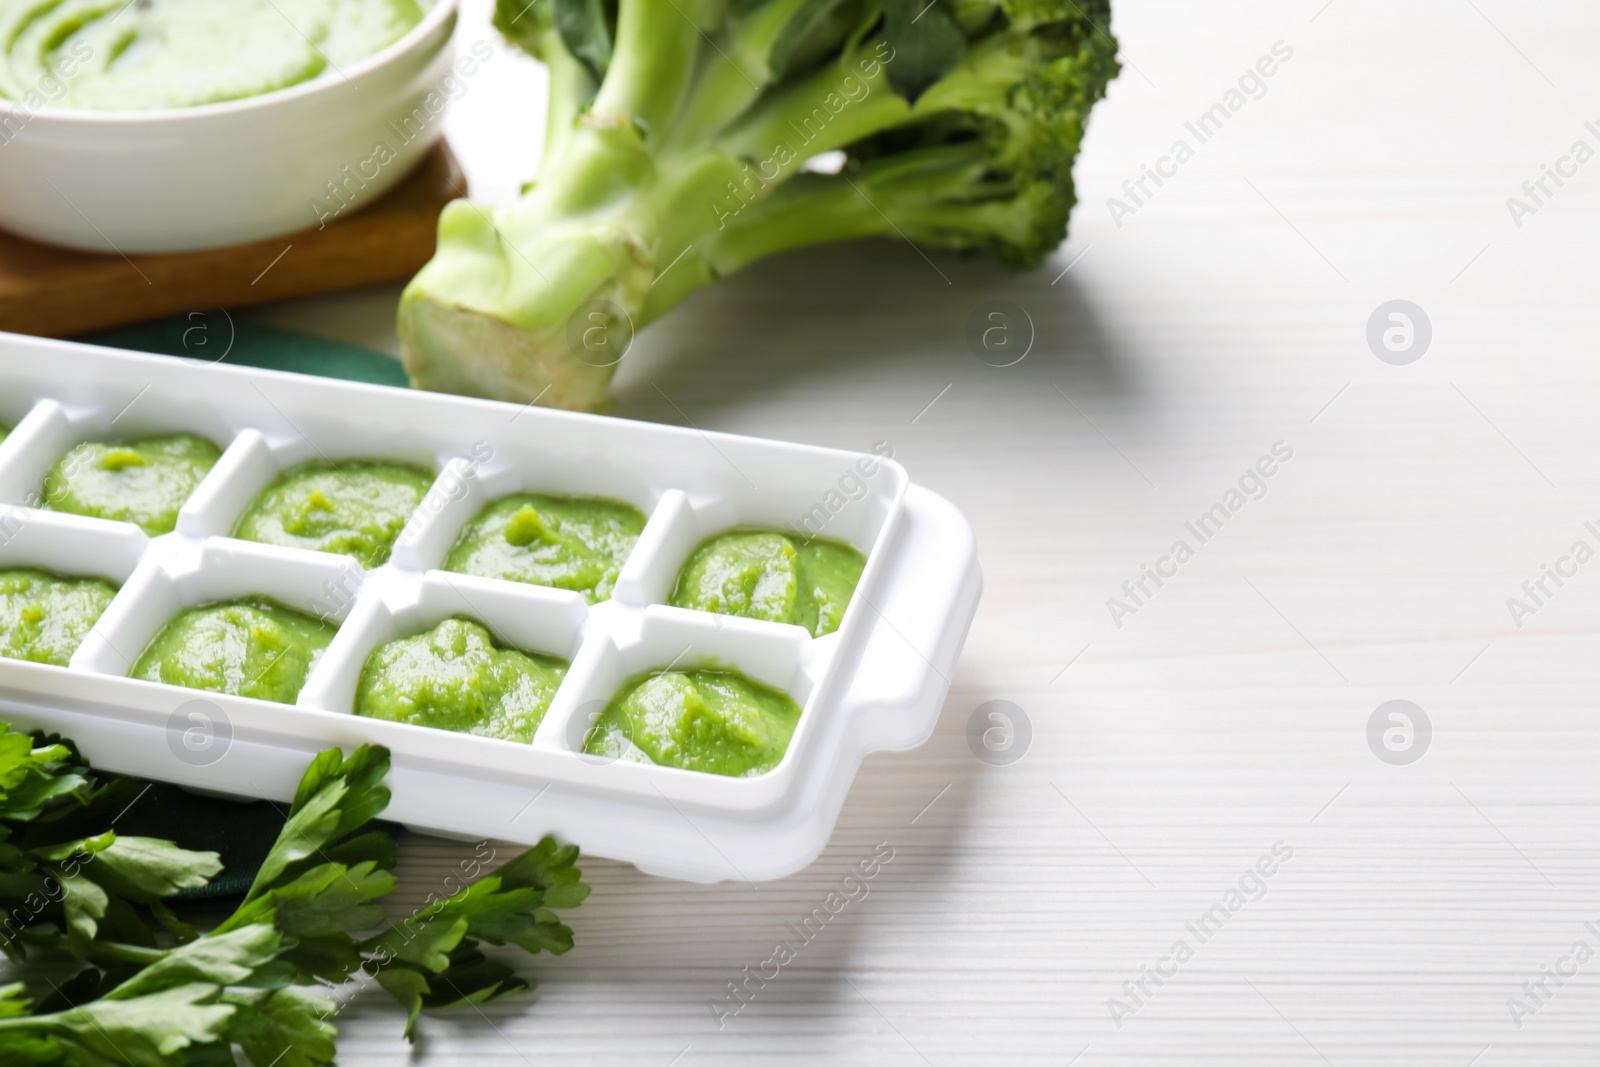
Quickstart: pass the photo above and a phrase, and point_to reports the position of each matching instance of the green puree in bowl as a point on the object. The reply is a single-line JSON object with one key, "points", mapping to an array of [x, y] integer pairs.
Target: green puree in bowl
{"points": [[759, 574], [454, 677], [143, 482], [354, 508], [44, 618], [251, 648], [568, 542], [120, 55], [718, 722]]}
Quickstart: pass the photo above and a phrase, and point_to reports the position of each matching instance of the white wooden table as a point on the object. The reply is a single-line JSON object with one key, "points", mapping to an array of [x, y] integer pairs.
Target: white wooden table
{"points": [[1230, 711]]}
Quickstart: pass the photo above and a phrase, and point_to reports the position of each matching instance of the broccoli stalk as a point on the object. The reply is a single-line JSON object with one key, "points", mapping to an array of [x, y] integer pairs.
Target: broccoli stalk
{"points": [[676, 148]]}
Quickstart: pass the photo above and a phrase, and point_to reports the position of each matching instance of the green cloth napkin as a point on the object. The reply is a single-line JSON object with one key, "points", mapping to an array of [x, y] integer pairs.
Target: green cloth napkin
{"points": [[254, 346], [242, 832]]}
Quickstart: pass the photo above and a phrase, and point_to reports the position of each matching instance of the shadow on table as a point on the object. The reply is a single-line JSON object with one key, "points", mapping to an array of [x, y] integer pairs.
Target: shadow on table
{"points": [[843, 317], [735, 961]]}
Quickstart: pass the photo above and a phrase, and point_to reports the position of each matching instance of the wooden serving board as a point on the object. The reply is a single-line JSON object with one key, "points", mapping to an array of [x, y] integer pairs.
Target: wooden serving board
{"points": [[59, 292]]}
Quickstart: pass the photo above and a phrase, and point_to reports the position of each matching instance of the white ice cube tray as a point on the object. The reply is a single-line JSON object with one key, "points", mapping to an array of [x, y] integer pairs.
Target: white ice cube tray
{"points": [[877, 683]]}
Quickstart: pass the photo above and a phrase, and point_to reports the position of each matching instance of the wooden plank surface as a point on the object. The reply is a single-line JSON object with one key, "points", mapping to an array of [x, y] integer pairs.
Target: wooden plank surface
{"points": [[58, 292], [1230, 712]]}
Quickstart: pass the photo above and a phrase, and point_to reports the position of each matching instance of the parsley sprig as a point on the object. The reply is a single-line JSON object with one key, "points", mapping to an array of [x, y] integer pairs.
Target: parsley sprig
{"points": [[153, 991]]}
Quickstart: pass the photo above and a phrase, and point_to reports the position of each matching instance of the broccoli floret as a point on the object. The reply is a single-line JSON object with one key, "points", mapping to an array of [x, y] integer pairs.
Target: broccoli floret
{"points": [[676, 150]]}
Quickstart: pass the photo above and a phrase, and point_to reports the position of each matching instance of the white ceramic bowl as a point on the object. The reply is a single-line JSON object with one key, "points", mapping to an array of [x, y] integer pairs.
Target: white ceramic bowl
{"points": [[221, 174]]}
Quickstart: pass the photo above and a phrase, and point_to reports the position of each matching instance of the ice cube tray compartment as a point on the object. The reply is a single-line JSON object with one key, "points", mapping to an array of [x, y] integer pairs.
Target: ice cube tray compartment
{"points": [[867, 686], [495, 469], [254, 459], [69, 545], [683, 641], [528, 618], [53, 428], [182, 576]]}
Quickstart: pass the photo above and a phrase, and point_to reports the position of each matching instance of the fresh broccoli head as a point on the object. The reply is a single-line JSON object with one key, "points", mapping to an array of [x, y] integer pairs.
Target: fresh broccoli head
{"points": [[676, 151]]}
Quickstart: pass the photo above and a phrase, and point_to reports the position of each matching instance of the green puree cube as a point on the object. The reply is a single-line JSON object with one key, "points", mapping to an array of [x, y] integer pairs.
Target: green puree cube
{"points": [[44, 618], [753, 575], [454, 677], [142, 482], [250, 648], [718, 722], [354, 508], [762, 574], [566, 542]]}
